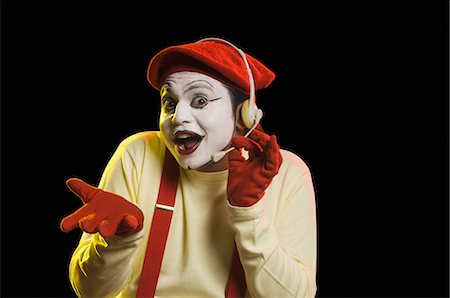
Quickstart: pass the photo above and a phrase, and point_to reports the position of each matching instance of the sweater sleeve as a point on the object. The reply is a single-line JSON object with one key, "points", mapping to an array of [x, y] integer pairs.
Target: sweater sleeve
{"points": [[100, 267], [276, 237]]}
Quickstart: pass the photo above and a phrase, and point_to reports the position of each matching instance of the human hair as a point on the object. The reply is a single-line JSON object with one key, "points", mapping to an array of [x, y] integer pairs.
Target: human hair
{"points": [[237, 97]]}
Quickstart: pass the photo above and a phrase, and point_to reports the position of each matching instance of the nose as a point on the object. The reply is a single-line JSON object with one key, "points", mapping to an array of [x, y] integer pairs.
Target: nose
{"points": [[183, 113]]}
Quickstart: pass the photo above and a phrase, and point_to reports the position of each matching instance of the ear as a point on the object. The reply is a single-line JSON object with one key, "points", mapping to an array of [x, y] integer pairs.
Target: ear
{"points": [[240, 126]]}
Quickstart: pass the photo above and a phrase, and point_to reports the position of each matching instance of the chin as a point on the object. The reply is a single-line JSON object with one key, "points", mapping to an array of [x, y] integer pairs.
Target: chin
{"points": [[200, 160], [199, 165], [190, 164]]}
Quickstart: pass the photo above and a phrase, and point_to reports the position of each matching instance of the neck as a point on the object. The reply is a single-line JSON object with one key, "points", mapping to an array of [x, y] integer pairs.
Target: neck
{"points": [[212, 166]]}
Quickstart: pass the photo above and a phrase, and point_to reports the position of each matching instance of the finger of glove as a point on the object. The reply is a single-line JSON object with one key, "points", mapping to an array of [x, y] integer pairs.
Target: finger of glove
{"points": [[90, 223], [128, 225], [82, 189], [253, 148], [259, 127], [260, 137], [273, 158], [235, 159], [71, 221], [235, 155], [109, 226]]}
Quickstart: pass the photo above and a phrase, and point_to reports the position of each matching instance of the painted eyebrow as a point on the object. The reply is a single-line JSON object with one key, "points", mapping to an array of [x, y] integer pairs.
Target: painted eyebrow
{"points": [[193, 86]]}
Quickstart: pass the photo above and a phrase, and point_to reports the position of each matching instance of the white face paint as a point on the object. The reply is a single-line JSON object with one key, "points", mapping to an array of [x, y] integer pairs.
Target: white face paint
{"points": [[196, 119]]}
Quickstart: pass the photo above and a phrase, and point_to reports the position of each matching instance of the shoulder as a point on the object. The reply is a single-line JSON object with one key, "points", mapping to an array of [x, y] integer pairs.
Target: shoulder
{"points": [[293, 163], [140, 140], [141, 145], [295, 181]]}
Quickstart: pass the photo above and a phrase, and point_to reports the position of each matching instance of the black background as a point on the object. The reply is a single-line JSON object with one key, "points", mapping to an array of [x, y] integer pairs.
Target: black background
{"points": [[361, 95]]}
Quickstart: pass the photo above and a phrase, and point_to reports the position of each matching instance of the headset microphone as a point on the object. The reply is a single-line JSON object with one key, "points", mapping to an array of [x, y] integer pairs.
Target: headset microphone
{"points": [[250, 113]]}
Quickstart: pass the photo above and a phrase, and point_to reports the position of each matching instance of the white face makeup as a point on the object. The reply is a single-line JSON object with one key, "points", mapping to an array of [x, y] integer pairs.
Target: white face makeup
{"points": [[196, 119]]}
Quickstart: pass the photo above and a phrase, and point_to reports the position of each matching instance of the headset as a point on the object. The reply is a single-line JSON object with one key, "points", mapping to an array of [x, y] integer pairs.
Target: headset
{"points": [[251, 115]]}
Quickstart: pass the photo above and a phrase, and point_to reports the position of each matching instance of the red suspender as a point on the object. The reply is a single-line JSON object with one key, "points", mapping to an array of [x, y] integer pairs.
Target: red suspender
{"points": [[159, 232], [236, 281]]}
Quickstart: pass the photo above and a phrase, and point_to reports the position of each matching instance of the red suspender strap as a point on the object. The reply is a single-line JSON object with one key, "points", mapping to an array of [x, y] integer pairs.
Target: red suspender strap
{"points": [[236, 281], [159, 232]]}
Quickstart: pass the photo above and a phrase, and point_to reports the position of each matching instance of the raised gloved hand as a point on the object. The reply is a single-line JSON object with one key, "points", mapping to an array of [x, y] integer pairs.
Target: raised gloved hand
{"points": [[248, 179], [103, 212]]}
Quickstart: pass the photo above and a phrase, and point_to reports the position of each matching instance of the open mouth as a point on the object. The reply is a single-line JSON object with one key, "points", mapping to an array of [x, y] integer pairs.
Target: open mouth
{"points": [[187, 141]]}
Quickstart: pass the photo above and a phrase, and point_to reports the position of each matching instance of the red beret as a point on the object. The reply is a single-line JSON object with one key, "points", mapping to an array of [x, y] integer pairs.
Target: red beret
{"points": [[214, 58]]}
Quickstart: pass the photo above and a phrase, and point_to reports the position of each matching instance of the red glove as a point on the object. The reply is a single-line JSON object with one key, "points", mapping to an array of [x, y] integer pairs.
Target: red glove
{"points": [[248, 179], [103, 212]]}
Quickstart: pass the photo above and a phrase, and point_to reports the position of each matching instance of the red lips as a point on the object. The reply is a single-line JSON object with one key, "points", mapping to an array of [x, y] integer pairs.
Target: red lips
{"points": [[187, 141]]}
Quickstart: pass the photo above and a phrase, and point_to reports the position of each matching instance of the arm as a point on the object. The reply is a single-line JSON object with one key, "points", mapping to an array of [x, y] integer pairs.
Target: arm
{"points": [[279, 255], [100, 266], [275, 226]]}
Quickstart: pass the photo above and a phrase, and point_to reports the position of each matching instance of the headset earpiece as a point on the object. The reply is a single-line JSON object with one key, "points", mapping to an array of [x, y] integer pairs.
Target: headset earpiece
{"points": [[246, 116]]}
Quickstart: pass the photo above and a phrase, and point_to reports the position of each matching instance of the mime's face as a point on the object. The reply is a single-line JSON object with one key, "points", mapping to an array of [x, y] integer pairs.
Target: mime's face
{"points": [[196, 119]]}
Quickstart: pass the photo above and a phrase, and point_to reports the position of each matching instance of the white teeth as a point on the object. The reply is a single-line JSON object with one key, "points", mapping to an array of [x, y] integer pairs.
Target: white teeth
{"points": [[183, 136]]}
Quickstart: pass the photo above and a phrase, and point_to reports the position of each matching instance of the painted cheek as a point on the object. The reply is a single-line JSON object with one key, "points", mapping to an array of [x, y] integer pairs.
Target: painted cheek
{"points": [[219, 131]]}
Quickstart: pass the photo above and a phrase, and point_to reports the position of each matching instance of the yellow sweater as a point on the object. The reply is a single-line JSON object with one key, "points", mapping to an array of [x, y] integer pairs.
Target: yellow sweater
{"points": [[276, 237]]}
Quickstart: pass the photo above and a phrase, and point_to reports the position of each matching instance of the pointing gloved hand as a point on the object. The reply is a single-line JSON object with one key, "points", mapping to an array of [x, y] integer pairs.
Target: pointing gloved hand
{"points": [[103, 212], [248, 179]]}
